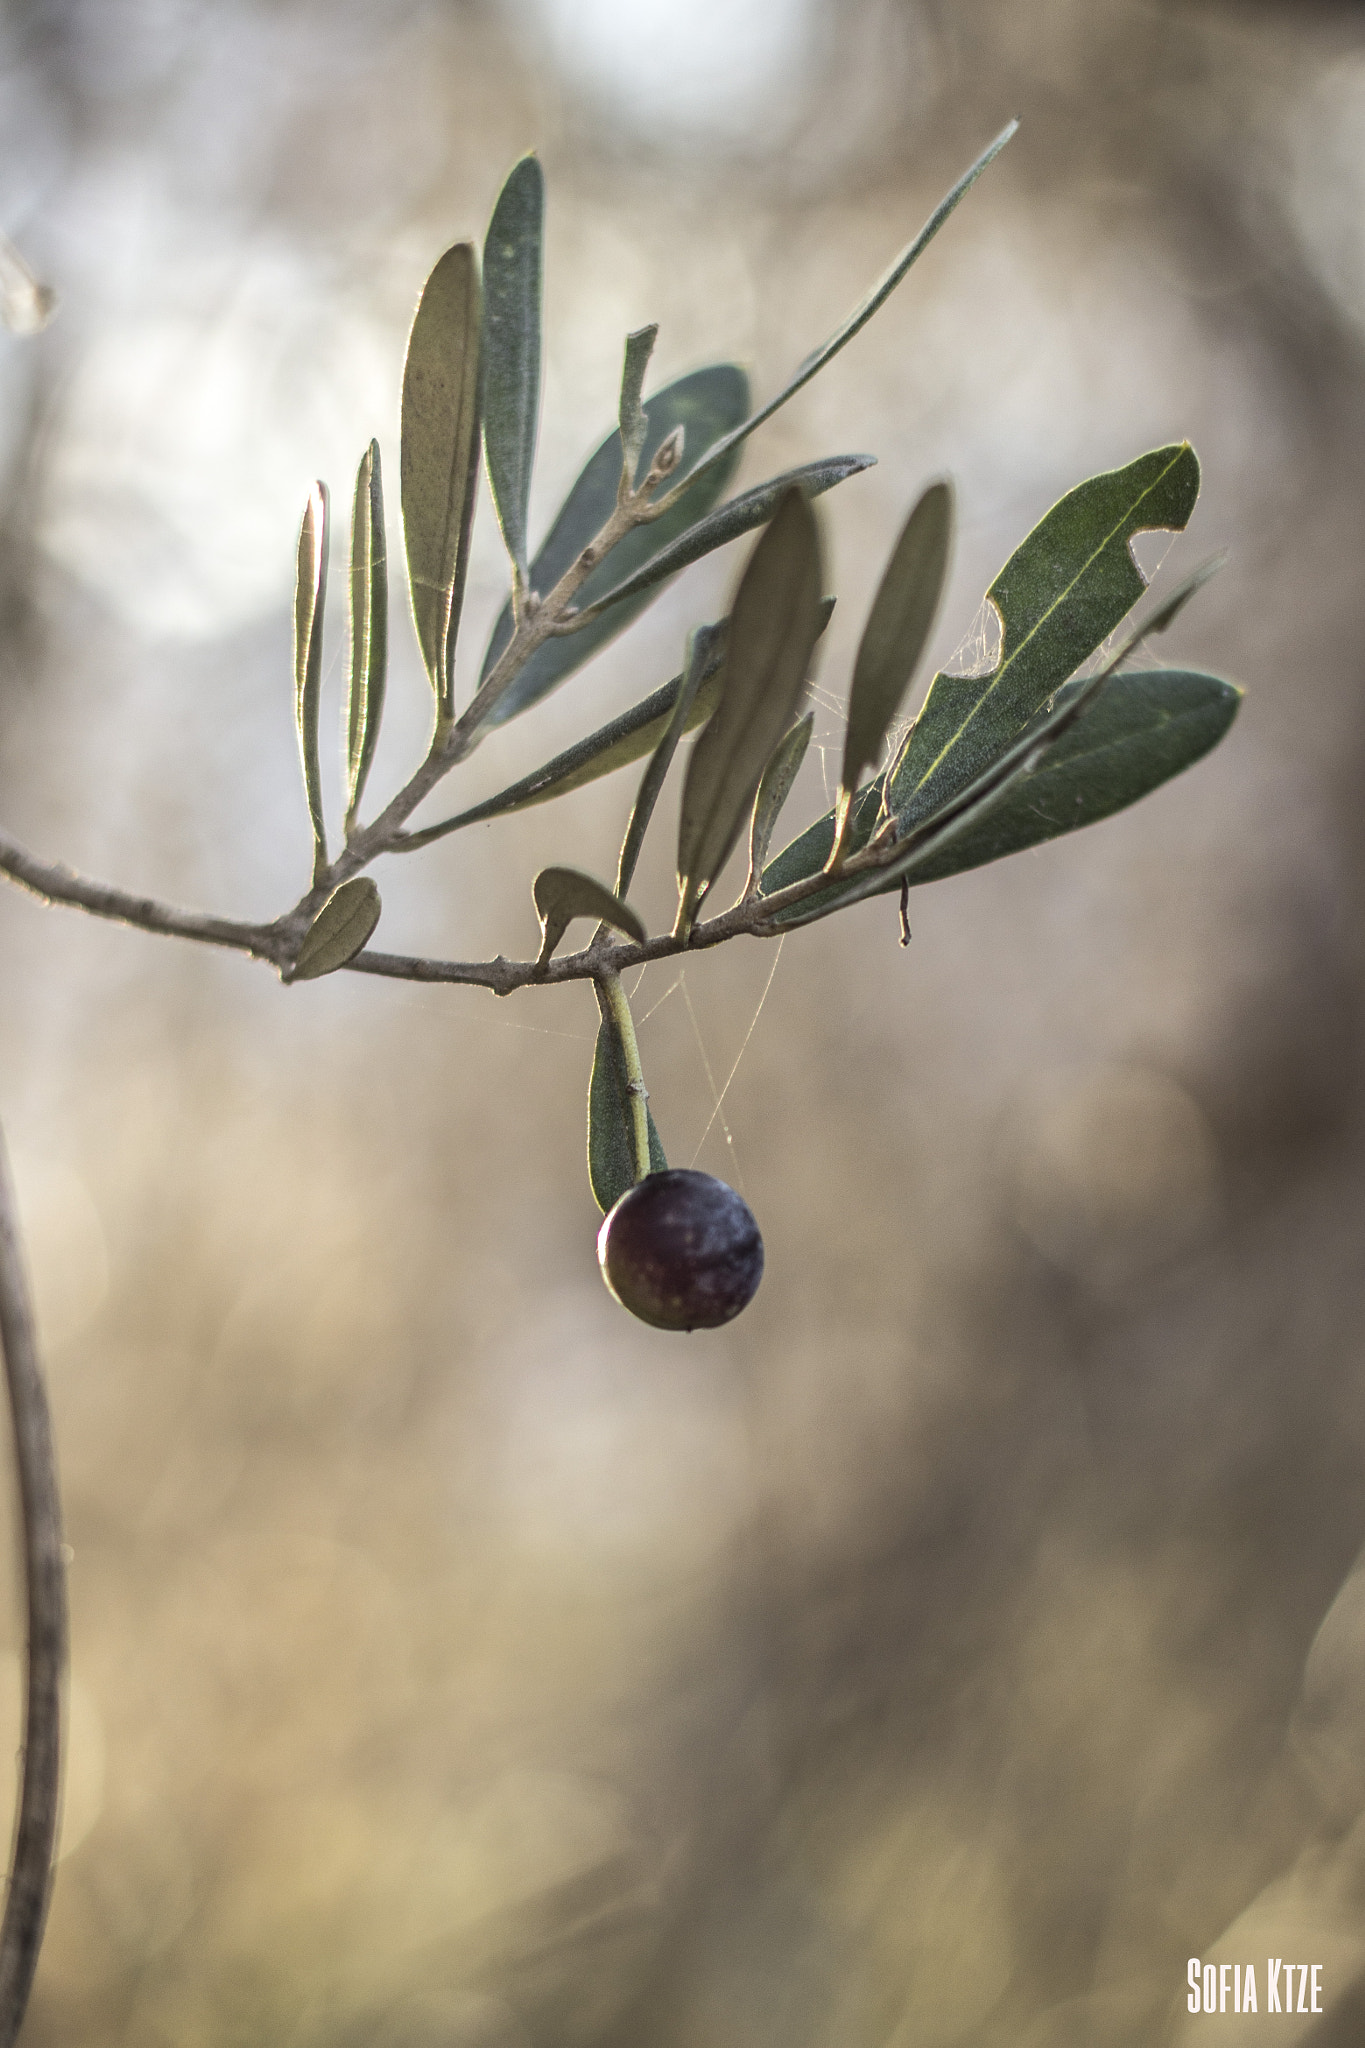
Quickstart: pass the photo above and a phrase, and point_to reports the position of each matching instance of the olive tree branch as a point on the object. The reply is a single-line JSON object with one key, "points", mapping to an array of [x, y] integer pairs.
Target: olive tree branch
{"points": [[35, 1835], [890, 852], [547, 618], [541, 619], [54, 883], [753, 916]]}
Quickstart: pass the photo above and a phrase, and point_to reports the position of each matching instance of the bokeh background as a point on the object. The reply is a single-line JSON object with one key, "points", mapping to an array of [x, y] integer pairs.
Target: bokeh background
{"points": [[971, 1634]]}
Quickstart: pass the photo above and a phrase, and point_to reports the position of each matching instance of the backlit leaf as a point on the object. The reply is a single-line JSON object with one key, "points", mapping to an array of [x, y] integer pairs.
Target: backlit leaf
{"points": [[440, 452], [774, 624], [310, 592], [703, 655], [511, 346], [898, 625], [341, 928], [369, 626], [863, 311], [773, 791]]}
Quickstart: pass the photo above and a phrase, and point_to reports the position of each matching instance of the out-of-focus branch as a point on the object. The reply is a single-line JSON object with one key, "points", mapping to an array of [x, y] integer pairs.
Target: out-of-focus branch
{"points": [[35, 1836]]}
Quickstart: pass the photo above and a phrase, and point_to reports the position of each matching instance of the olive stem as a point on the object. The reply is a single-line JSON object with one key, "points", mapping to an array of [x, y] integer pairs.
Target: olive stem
{"points": [[35, 1834], [637, 1095]]}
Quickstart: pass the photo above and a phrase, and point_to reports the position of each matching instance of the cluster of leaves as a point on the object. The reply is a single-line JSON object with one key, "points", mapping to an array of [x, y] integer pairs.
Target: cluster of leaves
{"points": [[994, 762]]}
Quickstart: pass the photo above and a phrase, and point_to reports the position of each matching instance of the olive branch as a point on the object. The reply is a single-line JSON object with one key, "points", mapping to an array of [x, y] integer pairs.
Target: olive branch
{"points": [[992, 764], [1059, 733]]}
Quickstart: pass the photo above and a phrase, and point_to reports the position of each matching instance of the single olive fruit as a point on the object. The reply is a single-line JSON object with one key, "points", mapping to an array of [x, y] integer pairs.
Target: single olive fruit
{"points": [[681, 1250]]}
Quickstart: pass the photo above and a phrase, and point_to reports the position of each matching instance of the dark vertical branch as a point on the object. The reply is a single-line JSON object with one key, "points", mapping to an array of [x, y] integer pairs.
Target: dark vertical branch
{"points": [[35, 1834]]}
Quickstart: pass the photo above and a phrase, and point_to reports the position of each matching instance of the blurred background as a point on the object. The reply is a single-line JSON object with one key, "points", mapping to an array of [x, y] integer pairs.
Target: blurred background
{"points": [[972, 1633]]}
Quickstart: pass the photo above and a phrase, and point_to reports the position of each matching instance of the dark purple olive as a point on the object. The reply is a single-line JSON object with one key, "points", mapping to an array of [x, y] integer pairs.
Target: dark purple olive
{"points": [[681, 1250]]}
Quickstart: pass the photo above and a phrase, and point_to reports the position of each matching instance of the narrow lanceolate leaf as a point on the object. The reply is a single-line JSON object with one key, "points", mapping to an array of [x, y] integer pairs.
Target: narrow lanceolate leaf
{"points": [[611, 1140], [511, 341], [706, 404], [809, 852], [703, 654], [1059, 596], [774, 624], [440, 454], [310, 590], [631, 417], [741, 515], [369, 626], [341, 928], [562, 894], [863, 311], [773, 791], [1141, 728], [614, 745], [898, 625], [990, 791]]}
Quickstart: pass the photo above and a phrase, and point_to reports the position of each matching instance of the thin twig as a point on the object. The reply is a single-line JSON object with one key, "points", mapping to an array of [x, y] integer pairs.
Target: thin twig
{"points": [[278, 943], [57, 884], [860, 874], [35, 1835], [453, 742]]}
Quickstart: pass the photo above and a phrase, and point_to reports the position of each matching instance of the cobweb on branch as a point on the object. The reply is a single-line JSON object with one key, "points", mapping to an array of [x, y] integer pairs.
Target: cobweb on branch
{"points": [[718, 1092]]}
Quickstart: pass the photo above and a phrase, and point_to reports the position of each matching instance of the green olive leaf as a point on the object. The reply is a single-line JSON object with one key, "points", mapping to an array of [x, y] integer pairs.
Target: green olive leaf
{"points": [[1138, 730], [615, 745], [626, 738], [773, 791], [724, 448], [703, 658], [369, 626], [774, 624], [611, 1140], [898, 625], [1142, 728], [811, 851], [310, 592], [512, 263], [633, 423], [440, 453], [741, 515], [341, 928], [1060, 595], [704, 403], [562, 894]]}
